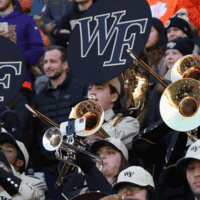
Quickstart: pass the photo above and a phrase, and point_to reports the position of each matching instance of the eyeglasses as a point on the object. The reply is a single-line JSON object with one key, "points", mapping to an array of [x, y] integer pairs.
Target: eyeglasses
{"points": [[132, 188]]}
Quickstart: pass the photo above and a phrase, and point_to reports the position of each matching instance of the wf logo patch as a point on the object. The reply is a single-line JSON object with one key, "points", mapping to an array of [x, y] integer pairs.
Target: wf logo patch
{"points": [[129, 174], [118, 31], [101, 37], [12, 70]]}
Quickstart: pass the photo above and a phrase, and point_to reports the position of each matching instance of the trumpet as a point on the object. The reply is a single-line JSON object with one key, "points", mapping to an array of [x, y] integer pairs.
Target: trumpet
{"points": [[52, 140], [94, 115]]}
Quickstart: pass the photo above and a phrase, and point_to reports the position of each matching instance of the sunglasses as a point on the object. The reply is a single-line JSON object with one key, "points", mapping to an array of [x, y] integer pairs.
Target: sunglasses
{"points": [[132, 188]]}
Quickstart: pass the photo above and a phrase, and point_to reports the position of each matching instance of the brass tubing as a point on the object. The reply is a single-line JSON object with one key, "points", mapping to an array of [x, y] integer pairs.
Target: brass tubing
{"points": [[147, 68]]}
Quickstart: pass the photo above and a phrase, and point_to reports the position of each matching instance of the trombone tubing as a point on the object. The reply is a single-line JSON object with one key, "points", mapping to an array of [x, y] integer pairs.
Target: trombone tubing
{"points": [[41, 116], [147, 68]]}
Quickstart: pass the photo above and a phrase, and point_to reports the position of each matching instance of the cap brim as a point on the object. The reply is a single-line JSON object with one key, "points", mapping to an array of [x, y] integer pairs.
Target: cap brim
{"points": [[181, 164], [96, 145], [118, 185], [7, 137]]}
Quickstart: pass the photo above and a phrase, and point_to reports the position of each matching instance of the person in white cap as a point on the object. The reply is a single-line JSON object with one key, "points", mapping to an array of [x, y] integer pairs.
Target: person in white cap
{"points": [[18, 185], [115, 158], [134, 183], [107, 94], [191, 164]]}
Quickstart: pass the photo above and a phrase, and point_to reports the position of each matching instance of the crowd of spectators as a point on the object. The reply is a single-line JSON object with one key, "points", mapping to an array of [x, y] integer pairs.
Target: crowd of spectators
{"points": [[140, 162]]}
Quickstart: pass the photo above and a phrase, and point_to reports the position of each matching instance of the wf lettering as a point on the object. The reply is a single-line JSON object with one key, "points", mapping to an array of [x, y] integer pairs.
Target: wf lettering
{"points": [[118, 30], [195, 148], [129, 174], [5, 81]]}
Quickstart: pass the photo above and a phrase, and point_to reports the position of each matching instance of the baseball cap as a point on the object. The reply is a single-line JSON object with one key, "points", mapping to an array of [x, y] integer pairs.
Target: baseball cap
{"points": [[192, 153], [135, 175], [115, 83], [117, 143]]}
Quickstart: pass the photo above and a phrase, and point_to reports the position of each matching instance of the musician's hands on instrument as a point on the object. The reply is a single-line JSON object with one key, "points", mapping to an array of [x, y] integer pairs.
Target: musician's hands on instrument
{"points": [[84, 162]]}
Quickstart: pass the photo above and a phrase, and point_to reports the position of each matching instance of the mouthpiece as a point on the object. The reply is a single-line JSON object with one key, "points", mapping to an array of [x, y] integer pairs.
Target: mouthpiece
{"points": [[90, 97]]}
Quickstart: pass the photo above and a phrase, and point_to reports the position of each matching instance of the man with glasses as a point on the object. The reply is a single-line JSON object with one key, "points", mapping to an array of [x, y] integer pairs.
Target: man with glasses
{"points": [[134, 183]]}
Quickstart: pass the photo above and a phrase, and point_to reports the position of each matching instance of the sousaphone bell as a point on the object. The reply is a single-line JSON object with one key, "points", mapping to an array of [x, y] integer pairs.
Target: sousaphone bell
{"points": [[179, 105], [186, 67]]}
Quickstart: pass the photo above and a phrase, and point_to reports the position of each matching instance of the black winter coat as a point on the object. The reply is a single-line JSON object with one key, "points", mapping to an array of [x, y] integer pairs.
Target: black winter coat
{"points": [[71, 93]]}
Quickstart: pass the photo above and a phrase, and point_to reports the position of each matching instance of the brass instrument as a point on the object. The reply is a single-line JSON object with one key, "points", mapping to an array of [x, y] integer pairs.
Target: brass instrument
{"points": [[94, 115], [179, 105], [92, 112], [182, 98], [136, 86], [52, 140], [147, 68], [186, 67]]}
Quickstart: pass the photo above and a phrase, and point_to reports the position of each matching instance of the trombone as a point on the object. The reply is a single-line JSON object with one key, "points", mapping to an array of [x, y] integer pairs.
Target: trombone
{"points": [[185, 101]]}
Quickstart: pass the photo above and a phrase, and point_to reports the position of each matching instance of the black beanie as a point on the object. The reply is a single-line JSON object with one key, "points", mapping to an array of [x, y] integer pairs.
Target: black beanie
{"points": [[184, 45], [158, 25], [179, 23]]}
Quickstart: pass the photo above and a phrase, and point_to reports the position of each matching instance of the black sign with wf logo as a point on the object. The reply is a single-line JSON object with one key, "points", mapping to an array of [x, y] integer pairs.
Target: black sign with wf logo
{"points": [[12, 70], [98, 44]]}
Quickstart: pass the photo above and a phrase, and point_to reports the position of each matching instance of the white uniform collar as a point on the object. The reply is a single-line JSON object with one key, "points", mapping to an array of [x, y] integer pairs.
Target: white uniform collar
{"points": [[108, 114]]}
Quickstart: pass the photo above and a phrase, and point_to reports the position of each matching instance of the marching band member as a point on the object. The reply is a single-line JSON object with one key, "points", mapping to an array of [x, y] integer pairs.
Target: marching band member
{"points": [[115, 158], [134, 183], [191, 165], [107, 94], [14, 183]]}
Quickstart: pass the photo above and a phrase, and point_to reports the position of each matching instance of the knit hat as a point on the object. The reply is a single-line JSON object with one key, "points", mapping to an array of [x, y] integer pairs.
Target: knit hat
{"points": [[181, 21], [184, 45], [158, 25]]}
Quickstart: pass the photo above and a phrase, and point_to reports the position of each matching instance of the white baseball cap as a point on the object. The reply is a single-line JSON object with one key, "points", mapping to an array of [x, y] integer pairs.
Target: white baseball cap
{"points": [[117, 143], [135, 175], [192, 153]]}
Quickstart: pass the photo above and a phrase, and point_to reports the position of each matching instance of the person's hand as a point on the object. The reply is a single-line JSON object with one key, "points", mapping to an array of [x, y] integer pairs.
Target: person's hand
{"points": [[84, 161], [4, 33], [64, 31], [49, 27]]}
